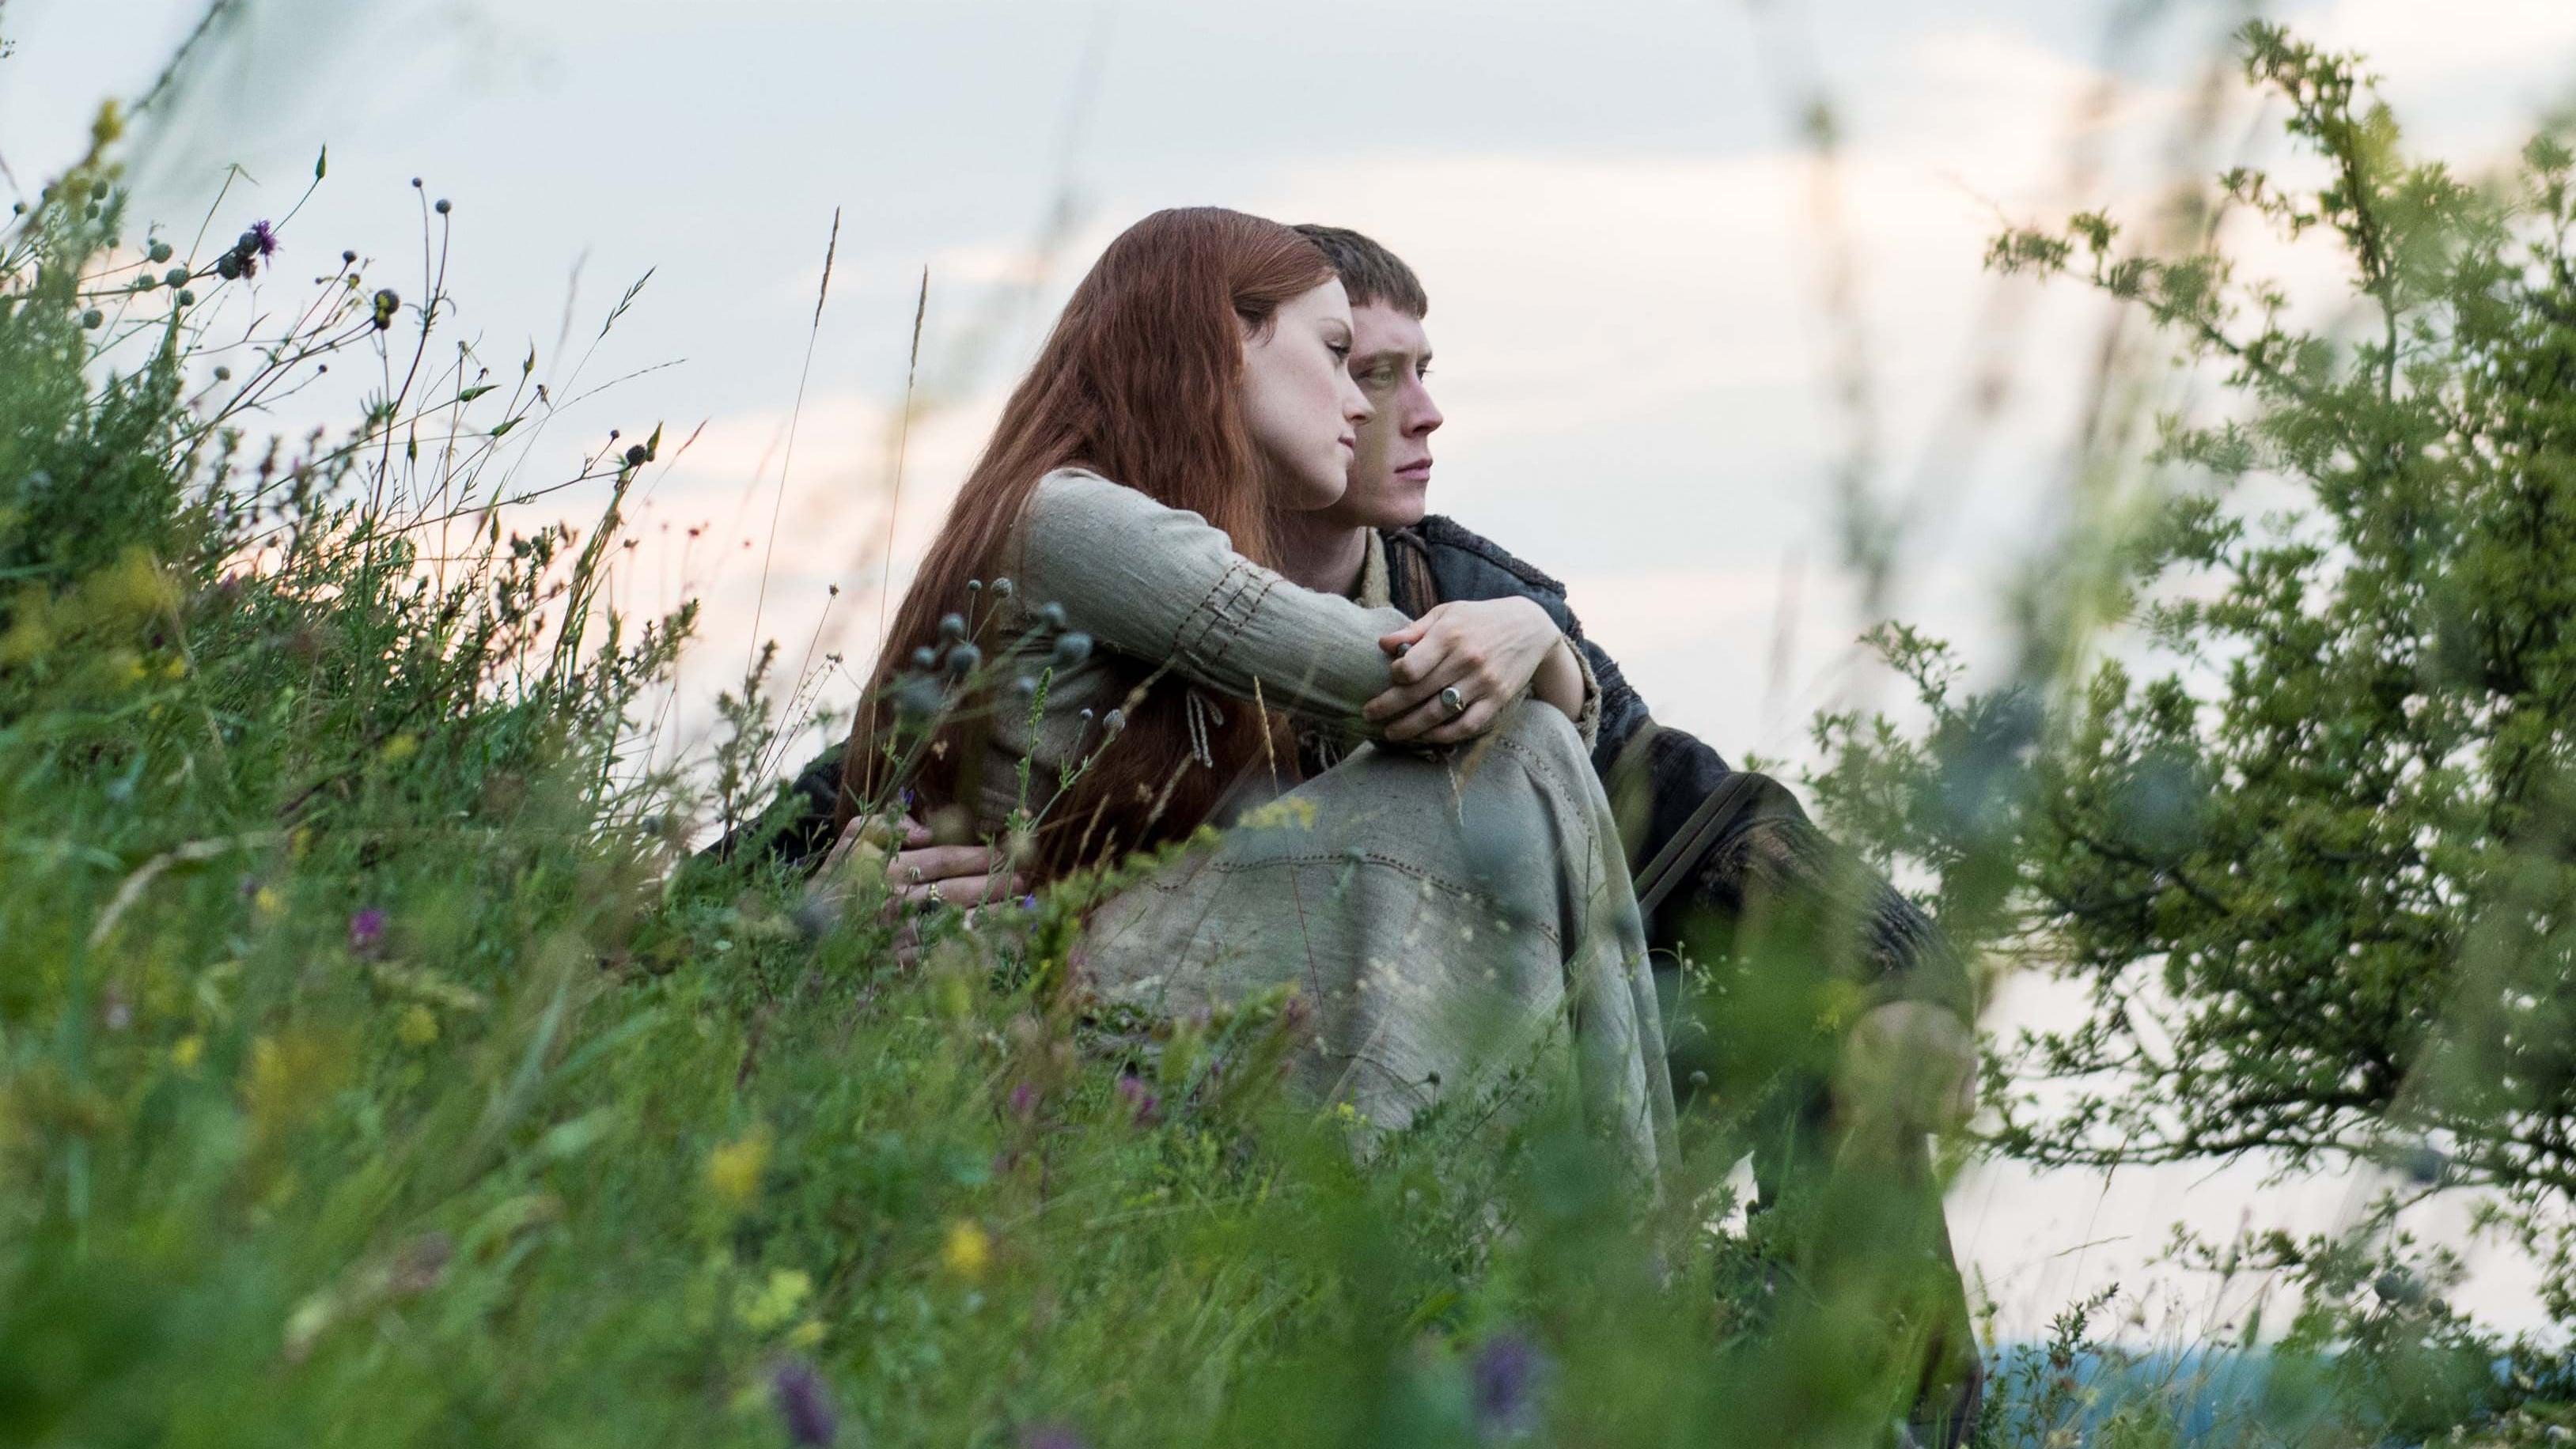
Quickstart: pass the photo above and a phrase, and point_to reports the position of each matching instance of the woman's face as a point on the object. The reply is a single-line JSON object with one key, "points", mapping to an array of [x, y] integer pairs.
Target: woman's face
{"points": [[1299, 402]]}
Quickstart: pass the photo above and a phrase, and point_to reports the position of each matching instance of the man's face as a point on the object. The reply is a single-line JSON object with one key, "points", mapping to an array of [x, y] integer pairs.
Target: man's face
{"points": [[1391, 476]]}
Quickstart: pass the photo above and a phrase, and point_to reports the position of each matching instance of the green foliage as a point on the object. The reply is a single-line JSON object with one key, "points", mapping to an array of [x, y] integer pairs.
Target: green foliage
{"points": [[2306, 840]]}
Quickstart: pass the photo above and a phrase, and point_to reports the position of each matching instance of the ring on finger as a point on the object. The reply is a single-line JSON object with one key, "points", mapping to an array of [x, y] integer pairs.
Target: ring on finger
{"points": [[933, 896], [1453, 702]]}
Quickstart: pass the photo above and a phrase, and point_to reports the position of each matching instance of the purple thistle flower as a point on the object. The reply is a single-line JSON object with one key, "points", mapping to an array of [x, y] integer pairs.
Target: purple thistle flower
{"points": [[263, 238], [1144, 1106], [367, 930], [1024, 1101], [804, 1404], [1050, 1436], [1502, 1384]]}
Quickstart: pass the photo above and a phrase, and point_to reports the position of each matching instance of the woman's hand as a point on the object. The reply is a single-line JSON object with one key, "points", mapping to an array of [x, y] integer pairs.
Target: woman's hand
{"points": [[917, 873], [1488, 651]]}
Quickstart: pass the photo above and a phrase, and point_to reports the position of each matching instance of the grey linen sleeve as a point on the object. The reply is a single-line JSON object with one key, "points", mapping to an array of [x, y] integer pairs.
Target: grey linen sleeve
{"points": [[1163, 585]]}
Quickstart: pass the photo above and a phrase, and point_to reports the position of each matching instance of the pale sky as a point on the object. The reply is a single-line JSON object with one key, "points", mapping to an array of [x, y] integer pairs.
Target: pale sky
{"points": [[1609, 205]]}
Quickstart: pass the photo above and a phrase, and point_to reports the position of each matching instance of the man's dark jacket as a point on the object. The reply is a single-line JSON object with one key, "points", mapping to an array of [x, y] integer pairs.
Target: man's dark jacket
{"points": [[1659, 780]]}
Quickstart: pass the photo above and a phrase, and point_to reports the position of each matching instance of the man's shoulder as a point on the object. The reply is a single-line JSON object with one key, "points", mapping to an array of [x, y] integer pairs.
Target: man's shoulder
{"points": [[1445, 539]]}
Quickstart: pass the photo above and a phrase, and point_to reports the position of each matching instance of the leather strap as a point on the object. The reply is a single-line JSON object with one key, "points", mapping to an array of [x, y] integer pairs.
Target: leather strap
{"points": [[1705, 827]]}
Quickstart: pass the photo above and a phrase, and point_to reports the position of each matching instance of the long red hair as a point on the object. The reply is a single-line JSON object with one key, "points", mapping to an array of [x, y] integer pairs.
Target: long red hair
{"points": [[1141, 382]]}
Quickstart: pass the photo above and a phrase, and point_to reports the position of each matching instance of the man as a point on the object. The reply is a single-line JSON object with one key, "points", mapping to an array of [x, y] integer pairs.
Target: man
{"points": [[1726, 864]]}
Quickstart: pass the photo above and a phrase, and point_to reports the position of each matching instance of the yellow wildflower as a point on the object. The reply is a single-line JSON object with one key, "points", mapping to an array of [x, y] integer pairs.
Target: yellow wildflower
{"points": [[292, 1074], [186, 1051], [133, 588], [734, 1168], [418, 1026], [773, 1303], [968, 1250], [806, 1334], [1294, 812], [267, 901], [400, 748], [1837, 1003]]}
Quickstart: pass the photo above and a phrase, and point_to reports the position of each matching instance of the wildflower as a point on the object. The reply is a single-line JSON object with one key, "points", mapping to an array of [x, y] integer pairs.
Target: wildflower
{"points": [[291, 1075], [734, 1168], [93, 319], [1071, 649], [160, 252], [1502, 1384], [1144, 1108], [1288, 812], [1024, 1101], [261, 238], [963, 660], [441, 208], [1051, 615], [388, 302], [417, 1026], [925, 657], [952, 627], [223, 374], [186, 298], [968, 1249], [176, 277], [1050, 1436], [806, 1334], [401, 747], [367, 930], [1024, 688], [1002, 588], [267, 901], [804, 1404], [187, 1051], [1113, 722], [774, 1302]]}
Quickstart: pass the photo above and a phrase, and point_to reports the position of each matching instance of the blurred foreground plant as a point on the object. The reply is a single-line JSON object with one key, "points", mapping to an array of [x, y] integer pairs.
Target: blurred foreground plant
{"points": [[2305, 839]]}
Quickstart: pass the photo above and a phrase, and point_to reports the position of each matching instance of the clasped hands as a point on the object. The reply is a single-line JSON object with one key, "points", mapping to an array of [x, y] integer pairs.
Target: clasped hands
{"points": [[1487, 651]]}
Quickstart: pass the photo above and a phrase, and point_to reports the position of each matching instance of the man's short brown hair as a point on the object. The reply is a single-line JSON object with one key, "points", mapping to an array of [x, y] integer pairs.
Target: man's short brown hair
{"points": [[1370, 273]]}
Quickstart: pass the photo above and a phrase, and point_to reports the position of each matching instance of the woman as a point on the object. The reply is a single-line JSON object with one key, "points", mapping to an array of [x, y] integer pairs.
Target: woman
{"points": [[1446, 918]]}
